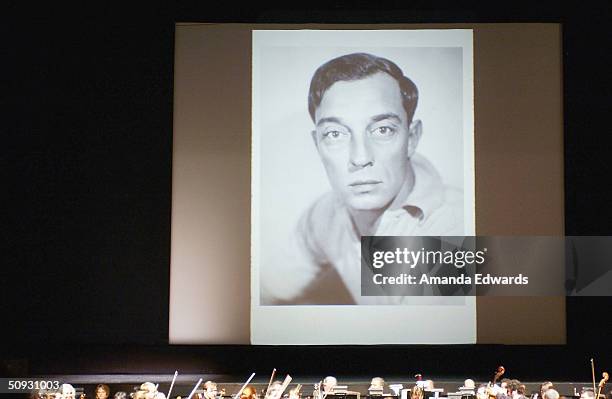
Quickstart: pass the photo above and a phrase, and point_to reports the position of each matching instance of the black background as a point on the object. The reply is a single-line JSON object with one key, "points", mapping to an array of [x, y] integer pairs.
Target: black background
{"points": [[87, 152]]}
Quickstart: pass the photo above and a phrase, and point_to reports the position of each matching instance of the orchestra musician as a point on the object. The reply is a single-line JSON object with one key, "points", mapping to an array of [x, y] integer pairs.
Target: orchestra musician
{"points": [[325, 387], [148, 390], [511, 389], [274, 391], [551, 394], [67, 392], [482, 392], [249, 393], [502, 392], [210, 390], [329, 383], [514, 389], [587, 394], [102, 391], [377, 385], [469, 386], [416, 392], [546, 385]]}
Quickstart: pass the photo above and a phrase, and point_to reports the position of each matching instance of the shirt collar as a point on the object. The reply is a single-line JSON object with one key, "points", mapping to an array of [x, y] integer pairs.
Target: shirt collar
{"points": [[428, 191]]}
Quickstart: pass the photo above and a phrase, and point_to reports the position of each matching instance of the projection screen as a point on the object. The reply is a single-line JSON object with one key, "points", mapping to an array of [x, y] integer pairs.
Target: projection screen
{"points": [[260, 249]]}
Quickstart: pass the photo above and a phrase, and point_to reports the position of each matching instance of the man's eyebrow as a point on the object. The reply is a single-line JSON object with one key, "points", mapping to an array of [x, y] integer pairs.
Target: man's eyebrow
{"points": [[330, 119], [382, 117]]}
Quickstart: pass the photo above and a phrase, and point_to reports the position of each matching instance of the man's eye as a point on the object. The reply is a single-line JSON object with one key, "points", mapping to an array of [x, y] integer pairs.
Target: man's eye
{"points": [[334, 135], [383, 131]]}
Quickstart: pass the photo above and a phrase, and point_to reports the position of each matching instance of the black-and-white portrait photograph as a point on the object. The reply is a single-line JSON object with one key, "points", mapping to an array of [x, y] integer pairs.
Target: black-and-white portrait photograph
{"points": [[355, 133]]}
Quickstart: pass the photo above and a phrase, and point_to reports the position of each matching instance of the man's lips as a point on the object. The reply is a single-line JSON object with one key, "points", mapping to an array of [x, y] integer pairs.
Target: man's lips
{"points": [[358, 183]]}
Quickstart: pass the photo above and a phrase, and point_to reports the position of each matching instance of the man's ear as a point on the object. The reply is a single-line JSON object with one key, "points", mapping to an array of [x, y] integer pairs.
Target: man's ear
{"points": [[414, 135], [313, 134]]}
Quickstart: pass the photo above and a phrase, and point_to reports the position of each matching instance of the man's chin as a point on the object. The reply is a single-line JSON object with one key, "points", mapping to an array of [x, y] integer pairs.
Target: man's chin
{"points": [[366, 202]]}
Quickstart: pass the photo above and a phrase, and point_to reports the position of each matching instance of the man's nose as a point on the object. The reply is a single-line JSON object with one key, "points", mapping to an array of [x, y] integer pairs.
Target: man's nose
{"points": [[360, 152]]}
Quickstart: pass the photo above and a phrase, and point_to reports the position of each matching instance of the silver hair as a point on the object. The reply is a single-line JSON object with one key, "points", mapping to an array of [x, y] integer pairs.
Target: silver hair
{"points": [[551, 394]]}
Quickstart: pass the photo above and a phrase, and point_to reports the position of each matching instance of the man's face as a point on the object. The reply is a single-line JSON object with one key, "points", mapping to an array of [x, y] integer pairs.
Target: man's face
{"points": [[364, 141]]}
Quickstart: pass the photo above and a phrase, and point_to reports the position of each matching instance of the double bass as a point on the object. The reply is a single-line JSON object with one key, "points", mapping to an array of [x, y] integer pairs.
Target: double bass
{"points": [[498, 373], [602, 383]]}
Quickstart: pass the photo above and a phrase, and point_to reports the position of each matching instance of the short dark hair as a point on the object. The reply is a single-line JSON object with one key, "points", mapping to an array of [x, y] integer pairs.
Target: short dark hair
{"points": [[358, 66]]}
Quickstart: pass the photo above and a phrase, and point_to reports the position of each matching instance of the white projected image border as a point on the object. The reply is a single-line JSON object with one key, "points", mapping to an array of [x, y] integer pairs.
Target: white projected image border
{"points": [[287, 174]]}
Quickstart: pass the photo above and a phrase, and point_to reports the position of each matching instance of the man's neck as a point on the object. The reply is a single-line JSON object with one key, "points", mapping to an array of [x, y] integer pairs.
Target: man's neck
{"points": [[366, 222]]}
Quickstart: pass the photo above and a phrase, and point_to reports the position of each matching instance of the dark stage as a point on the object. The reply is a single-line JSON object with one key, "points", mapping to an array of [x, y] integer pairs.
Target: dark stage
{"points": [[89, 154]]}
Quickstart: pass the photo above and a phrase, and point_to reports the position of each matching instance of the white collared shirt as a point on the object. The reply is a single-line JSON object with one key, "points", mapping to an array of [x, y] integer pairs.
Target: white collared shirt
{"points": [[325, 237]]}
